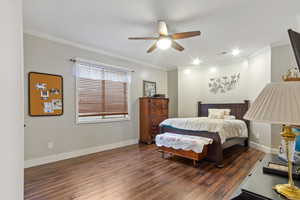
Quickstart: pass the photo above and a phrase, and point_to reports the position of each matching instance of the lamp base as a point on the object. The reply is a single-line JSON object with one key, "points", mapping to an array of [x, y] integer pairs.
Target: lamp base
{"points": [[289, 191]]}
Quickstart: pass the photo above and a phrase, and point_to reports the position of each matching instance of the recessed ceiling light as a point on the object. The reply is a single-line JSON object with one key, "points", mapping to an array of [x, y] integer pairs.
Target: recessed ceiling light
{"points": [[213, 69], [235, 52], [164, 43], [187, 71], [197, 61]]}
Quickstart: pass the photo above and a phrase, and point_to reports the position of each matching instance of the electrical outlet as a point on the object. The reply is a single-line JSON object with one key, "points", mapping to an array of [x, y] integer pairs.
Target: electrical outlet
{"points": [[50, 145]]}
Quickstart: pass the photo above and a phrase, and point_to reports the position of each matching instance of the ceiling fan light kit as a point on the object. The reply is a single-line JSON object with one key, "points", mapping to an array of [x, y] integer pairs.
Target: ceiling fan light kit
{"points": [[165, 41], [235, 52]]}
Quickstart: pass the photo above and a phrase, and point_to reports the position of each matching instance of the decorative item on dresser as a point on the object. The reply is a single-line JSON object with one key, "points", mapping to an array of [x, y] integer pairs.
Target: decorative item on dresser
{"points": [[152, 112], [149, 88]]}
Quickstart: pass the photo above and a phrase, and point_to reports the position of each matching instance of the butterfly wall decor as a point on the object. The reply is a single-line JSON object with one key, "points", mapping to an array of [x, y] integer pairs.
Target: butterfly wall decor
{"points": [[224, 83]]}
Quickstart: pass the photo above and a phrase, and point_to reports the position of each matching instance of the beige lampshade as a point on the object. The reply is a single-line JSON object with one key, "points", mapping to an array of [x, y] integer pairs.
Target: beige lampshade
{"points": [[278, 103]]}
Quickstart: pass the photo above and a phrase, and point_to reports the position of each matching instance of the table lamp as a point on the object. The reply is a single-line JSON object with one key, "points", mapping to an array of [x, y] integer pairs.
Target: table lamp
{"points": [[279, 103]]}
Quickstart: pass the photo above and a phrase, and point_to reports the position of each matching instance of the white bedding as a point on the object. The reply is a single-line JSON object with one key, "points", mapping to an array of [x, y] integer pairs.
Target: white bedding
{"points": [[185, 142], [227, 128]]}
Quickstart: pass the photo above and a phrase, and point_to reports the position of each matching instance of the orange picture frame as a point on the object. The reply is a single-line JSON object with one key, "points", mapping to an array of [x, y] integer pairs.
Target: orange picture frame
{"points": [[45, 94]]}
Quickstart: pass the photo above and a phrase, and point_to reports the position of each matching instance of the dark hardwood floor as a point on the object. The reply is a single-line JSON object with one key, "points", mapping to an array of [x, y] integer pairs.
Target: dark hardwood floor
{"points": [[138, 172]]}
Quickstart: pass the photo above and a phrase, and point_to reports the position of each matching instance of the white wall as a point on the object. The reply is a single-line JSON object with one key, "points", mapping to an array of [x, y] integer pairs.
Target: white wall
{"points": [[189, 90], [173, 92], [298, 20], [282, 59], [193, 86], [11, 106], [255, 74], [42, 55], [259, 75]]}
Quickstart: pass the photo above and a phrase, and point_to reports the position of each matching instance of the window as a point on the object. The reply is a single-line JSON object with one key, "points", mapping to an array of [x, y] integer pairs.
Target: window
{"points": [[102, 93]]}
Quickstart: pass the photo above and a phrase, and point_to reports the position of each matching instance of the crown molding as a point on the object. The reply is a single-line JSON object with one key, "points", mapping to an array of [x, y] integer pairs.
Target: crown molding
{"points": [[260, 51], [280, 43], [89, 48]]}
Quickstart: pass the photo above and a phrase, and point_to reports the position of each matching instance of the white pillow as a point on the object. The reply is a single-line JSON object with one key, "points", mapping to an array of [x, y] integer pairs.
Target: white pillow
{"points": [[230, 117], [227, 111], [216, 113]]}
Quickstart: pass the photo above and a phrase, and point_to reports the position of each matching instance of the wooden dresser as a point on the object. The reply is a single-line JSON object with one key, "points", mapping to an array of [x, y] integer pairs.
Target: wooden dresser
{"points": [[152, 112]]}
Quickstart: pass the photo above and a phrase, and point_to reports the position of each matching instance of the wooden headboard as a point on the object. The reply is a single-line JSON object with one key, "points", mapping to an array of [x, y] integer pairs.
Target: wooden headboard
{"points": [[237, 109]]}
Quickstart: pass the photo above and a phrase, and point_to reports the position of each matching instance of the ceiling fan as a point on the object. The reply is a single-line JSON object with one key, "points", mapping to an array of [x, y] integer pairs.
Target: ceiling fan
{"points": [[164, 40]]}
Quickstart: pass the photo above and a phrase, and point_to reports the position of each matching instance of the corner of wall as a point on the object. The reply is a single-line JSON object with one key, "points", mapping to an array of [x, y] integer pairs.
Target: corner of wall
{"points": [[260, 74], [298, 22], [173, 92]]}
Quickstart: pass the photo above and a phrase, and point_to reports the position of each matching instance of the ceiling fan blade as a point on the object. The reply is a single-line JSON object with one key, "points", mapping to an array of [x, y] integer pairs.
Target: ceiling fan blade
{"points": [[152, 48], [143, 38], [183, 35], [177, 46], [162, 28]]}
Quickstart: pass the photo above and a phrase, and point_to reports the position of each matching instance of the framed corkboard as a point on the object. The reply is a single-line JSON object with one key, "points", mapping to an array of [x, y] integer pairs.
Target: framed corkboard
{"points": [[45, 96]]}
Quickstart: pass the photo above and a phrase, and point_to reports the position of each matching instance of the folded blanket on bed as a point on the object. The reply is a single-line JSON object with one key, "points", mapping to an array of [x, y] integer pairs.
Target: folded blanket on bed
{"points": [[226, 128], [184, 142]]}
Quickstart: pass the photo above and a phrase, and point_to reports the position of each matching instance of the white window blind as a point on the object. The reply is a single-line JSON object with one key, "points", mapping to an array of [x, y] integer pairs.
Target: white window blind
{"points": [[102, 91]]}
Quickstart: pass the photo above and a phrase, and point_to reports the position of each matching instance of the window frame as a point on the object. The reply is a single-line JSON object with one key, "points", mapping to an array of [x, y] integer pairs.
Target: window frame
{"points": [[98, 119]]}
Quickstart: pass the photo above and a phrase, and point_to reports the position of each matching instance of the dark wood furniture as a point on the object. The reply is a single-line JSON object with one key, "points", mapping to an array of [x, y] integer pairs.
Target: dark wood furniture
{"points": [[258, 185], [215, 150], [186, 154], [237, 109], [152, 112]]}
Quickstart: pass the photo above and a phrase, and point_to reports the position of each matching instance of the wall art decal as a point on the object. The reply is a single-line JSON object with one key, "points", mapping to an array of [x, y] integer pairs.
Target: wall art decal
{"points": [[223, 84], [149, 88]]}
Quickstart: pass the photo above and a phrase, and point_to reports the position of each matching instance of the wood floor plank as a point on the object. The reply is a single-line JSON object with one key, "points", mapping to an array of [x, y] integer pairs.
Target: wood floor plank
{"points": [[138, 172]]}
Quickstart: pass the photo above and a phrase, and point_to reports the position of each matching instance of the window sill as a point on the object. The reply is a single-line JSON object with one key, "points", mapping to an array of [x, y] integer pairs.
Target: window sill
{"points": [[95, 121]]}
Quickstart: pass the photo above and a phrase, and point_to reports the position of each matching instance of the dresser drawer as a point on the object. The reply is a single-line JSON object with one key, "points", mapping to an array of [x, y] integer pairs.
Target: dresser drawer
{"points": [[155, 124], [155, 121], [159, 107]]}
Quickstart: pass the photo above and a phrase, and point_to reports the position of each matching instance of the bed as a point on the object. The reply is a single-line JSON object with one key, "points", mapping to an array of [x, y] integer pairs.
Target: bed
{"points": [[215, 150]]}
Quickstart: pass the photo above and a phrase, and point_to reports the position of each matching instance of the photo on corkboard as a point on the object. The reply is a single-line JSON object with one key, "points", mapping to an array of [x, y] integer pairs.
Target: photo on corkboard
{"points": [[45, 94]]}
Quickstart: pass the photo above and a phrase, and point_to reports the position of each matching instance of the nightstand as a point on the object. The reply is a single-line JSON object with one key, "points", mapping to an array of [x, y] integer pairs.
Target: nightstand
{"points": [[258, 185]]}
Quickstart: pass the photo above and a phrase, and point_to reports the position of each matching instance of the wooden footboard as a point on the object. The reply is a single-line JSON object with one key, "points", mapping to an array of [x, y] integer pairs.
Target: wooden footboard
{"points": [[215, 150]]}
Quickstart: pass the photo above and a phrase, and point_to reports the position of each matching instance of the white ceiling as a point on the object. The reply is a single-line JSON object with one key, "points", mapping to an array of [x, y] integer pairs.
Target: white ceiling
{"points": [[225, 24]]}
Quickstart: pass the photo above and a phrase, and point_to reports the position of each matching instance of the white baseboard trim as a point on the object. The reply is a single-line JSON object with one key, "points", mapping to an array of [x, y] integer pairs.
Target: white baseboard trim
{"points": [[77, 153], [263, 148]]}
